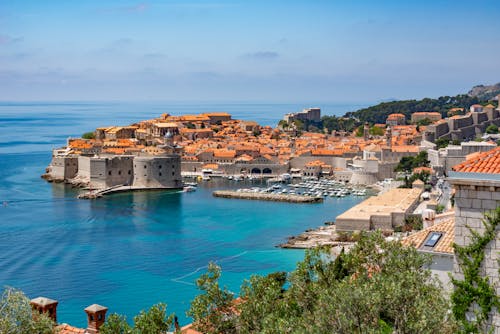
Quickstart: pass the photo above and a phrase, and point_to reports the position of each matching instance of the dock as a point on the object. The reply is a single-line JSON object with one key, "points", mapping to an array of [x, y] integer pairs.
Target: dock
{"points": [[267, 197], [98, 193]]}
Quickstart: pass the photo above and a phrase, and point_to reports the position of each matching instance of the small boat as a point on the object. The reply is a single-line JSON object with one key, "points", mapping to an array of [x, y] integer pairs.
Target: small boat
{"points": [[189, 189]]}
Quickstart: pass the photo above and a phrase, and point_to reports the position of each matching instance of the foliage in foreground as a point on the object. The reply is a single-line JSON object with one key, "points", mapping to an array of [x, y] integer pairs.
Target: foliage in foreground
{"points": [[474, 294], [153, 321], [378, 287], [16, 315]]}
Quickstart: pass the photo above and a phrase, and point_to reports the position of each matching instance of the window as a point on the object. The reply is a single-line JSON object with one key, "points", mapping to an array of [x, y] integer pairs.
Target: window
{"points": [[119, 172], [109, 173], [433, 239], [129, 172], [159, 174], [159, 167], [144, 166]]}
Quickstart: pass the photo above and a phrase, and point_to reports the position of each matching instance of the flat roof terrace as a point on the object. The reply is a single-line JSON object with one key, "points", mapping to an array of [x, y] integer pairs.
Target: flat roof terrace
{"points": [[382, 211]]}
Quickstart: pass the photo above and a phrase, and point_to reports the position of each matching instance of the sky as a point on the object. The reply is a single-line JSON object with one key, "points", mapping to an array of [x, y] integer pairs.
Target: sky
{"points": [[345, 51]]}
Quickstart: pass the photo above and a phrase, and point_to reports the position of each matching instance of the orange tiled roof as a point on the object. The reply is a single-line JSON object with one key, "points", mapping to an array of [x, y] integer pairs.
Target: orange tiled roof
{"points": [[444, 245], [322, 152], [188, 329], [67, 329], [211, 166], [405, 148], [426, 113], [395, 116], [315, 163], [216, 114], [486, 162], [423, 169], [224, 153]]}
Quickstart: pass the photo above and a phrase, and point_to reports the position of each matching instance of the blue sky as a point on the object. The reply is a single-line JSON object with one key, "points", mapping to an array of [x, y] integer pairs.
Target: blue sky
{"points": [[276, 51]]}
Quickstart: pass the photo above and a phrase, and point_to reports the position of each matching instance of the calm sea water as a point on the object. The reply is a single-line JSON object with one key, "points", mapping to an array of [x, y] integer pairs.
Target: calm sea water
{"points": [[129, 251]]}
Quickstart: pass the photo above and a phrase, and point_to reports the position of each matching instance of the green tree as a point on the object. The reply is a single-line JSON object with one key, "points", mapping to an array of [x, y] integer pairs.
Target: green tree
{"points": [[492, 129], [424, 122], [16, 315], [442, 142], [376, 131], [378, 287], [116, 324], [88, 135], [153, 321], [407, 164], [283, 124], [263, 299], [440, 208], [299, 125], [212, 311], [359, 131]]}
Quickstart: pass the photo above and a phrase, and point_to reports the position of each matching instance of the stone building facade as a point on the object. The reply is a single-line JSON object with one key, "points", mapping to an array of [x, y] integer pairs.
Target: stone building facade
{"points": [[477, 191]]}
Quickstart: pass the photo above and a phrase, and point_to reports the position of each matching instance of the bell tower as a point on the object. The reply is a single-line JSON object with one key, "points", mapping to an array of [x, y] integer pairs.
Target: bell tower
{"points": [[388, 136], [366, 131], [96, 315]]}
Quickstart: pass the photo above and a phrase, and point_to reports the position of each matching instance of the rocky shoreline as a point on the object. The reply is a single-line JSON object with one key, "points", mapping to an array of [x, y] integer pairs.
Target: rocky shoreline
{"points": [[321, 236]]}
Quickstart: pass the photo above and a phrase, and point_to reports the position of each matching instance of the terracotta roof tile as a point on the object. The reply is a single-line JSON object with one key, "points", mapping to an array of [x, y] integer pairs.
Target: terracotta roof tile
{"points": [[67, 329], [444, 245], [486, 162]]}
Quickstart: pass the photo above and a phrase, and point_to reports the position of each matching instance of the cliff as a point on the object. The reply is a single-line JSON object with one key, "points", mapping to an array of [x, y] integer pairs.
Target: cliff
{"points": [[483, 92]]}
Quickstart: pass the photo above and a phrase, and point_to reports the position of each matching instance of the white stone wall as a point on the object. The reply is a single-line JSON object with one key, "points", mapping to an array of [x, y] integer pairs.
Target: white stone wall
{"points": [[97, 172], [119, 170], [471, 202], [63, 167], [157, 172]]}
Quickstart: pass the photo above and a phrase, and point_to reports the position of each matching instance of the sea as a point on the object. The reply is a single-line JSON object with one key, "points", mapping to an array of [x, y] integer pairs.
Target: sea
{"points": [[132, 250]]}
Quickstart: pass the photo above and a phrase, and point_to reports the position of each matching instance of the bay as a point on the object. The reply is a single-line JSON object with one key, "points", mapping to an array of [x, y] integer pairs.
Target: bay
{"points": [[130, 251]]}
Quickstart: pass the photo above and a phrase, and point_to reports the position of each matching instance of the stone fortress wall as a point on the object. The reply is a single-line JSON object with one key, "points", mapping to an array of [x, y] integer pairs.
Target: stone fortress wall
{"points": [[162, 171], [465, 127]]}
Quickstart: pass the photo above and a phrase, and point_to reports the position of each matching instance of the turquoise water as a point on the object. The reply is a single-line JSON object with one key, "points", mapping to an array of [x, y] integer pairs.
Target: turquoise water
{"points": [[129, 251]]}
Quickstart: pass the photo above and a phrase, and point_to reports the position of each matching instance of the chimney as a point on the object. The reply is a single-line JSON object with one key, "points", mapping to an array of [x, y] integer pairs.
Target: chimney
{"points": [[45, 305], [96, 315], [429, 217]]}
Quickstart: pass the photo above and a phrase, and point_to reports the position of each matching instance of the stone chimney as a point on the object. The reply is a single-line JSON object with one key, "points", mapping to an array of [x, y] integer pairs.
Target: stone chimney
{"points": [[428, 217], [45, 305], [96, 315]]}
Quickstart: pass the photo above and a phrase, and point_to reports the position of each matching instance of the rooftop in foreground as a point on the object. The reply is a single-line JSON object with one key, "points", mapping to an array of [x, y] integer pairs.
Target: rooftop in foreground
{"points": [[395, 200]]}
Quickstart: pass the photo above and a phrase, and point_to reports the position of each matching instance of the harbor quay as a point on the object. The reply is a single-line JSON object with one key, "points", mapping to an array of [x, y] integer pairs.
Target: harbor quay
{"points": [[267, 197]]}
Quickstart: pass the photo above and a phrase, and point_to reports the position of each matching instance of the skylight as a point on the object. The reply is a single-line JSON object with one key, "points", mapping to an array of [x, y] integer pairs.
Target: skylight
{"points": [[433, 239]]}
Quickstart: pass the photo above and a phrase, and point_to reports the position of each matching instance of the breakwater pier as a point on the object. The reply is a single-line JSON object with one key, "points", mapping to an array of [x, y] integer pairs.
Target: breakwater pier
{"points": [[267, 196]]}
